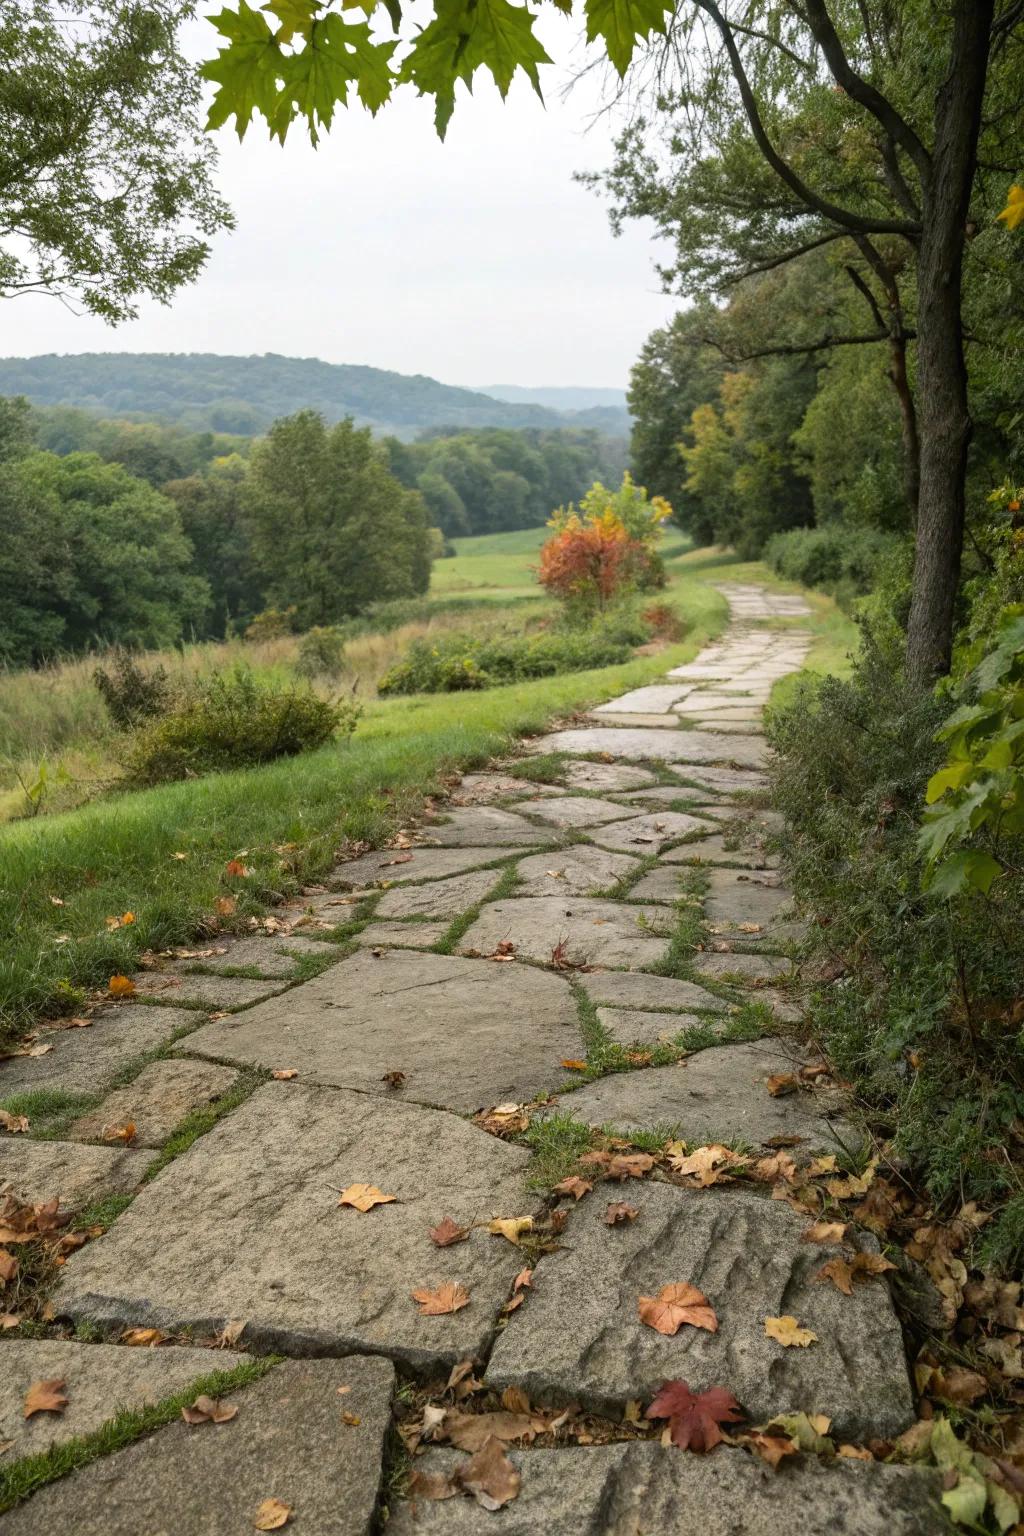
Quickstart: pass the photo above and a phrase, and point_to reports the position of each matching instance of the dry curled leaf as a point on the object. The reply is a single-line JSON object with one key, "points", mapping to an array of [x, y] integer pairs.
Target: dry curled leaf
{"points": [[617, 1165], [781, 1083], [771, 1446], [209, 1410], [284, 1074], [231, 1333], [236, 870], [572, 1064], [46, 1397], [121, 986], [489, 1476], [448, 1232], [675, 1305], [512, 1227], [8, 1266], [393, 1079], [15, 1124], [694, 1417], [844, 1272], [123, 1133], [824, 1232], [271, 1515], [788, 1332], [706, 1165], [431, 1485], [523, 1280], [351, 1419], [449, 1297], [225, 905], [619, 1211], [142, 1338], [574, 1186], [363, 1197]]}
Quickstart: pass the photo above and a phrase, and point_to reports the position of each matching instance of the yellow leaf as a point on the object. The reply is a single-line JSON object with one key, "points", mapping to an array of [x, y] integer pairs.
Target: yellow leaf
{"points": [[512, 1227], [787, 1331], [1013, 214], [363, 1197], [121, 986]]}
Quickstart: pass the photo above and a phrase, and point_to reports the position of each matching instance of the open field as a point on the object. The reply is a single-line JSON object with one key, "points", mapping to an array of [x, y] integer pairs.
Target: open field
{"points": [[502, 565]]}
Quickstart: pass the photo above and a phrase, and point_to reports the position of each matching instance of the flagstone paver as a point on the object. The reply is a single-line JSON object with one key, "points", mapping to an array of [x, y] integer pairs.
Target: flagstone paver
{"points": [[606, 777], [575, 811], [193, 990], [266, 1239], [744, 1252], [403, 935], [717, 967], [39, 1170], [579, 870], [288, 1441], [157, 1101], [479, 825], [723, 848], [401, 866], [648, 834], [99, 1379], [654, 699], [591, 931], [465, 1035], [441, 898], [640, 744], [83, 1060], [629, 1026], [275, 957], [635, 989]]}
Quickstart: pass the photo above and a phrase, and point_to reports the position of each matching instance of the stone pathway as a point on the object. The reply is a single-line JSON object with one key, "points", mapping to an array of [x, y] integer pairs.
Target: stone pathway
{"points": [[626, 917]]}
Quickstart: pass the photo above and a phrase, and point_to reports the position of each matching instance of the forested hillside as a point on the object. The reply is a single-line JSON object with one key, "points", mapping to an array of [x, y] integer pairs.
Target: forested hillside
{"points": [[206, 392]]}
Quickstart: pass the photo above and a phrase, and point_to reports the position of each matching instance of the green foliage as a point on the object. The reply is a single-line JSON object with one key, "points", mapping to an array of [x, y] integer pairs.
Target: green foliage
{"points": [[132, 693], [233, 722], [455, 662], [105, 173], [844, 561], [321, 652]]}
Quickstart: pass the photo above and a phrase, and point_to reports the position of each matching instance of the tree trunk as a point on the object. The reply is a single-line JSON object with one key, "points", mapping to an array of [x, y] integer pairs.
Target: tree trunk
{"points": [[943, 416]]}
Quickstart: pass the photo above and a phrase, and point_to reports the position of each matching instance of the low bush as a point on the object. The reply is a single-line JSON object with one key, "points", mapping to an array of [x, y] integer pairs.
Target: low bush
{"points": [[233, 721], [460, 661], [272, 623], [130, 692], [842, 560], [321, 652]]}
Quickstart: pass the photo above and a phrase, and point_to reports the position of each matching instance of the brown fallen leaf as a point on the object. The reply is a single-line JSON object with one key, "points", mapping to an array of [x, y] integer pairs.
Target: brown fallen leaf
{"points": [[449, 1297], [771, 1447], [854, 1453], [46, 1397], [675, 1305], [121, 986], [351, 1419], [619, 1211], [15, 1124], [271, 1515], [787, 1331], [821, 1165], [959, 1386], [236, 870], [284, 1074], [363, 1197], [431, 1485], [515, 1400], [616, 1165], [225, 905], [707, 1165], [142, 1338], [8, 1266], [572, 1064], [231, 1333], [123, 1133], [524, 1280], [490, 1477], [824, 1232], [574, 1186], [209, 1410], [512, 1227], [781, 1083], [694, 1417], [393, 1079], [9, 1320], [503, 1119], [448, 1232], [843, 1273]]}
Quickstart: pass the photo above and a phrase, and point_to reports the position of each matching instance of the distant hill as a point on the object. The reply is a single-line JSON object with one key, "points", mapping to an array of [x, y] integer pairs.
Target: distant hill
{"points": [[566, 397], [205, 391]]}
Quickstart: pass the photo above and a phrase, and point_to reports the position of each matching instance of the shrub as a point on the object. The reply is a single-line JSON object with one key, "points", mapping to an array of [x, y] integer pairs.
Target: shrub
{"points": [[130, 693], [460, 661], [233, 722], [843, 560], [586, 565], [272, 623], [663, 622], [321, 652]]}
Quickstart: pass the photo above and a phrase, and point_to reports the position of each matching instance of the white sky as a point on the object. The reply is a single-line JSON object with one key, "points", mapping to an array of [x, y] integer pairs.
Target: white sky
{"points": [[478, 261]]}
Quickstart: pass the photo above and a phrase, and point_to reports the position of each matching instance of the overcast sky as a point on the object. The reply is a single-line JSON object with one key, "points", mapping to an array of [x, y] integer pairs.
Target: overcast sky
{"points": [[478, 261]]}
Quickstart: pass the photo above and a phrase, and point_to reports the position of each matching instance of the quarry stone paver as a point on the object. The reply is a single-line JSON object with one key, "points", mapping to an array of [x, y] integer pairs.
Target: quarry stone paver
{"points": [[648, 834], [267, 1241], [635, 1026], [657, 722], [649, 744], [635, 989], [717, 1095], [401, 866], [735, 897], [575, 811], [39, 1170], [441, 898], [481, 825], [726, 781], [466, 1034], [593, 931], [661, 884], [655, 699], [663, 794], [157, 1100], [101, 1378], [581, 870], [404, 935], [275, 957], [84, 1060], [288, 1441], [483, 788], [744, 1252], [633, 1488], [723, 849], [198, 991], [607, 777], [720, 966]]}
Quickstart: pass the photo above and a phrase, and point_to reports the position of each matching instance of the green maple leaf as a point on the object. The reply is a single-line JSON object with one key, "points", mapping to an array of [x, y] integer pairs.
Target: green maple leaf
{"points": [[246, 70], [620, 22], [462, 38], [337, 55], [294, 16]]}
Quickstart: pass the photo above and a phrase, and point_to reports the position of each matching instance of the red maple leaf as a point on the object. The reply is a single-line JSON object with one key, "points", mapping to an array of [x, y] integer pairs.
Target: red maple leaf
{"points": [[694, 1417]]}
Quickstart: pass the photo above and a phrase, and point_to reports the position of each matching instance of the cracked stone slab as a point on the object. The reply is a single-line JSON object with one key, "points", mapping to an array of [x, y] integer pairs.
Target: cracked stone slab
{"points": [[581, 870], [101, 1378], [267, 1241], [605, 776], [629, 1026], [642, 1487], [288, 1442], [636, 743], [649, 834], [657, 722], [735, 897], [593, 931], [724, 849], [275, 957], [39, 1170], [744, 1251], [157, 1100], [466, 1033], [399, 866], [753, 968], [441, 898], [84, 1060], [575, 811], [663, 794], [482, 788], [404, 935], [661, 884], [742, 751], [480, 825], [655, 699], [727, 781], [197, 991], [717, 1095], [635, 989]]}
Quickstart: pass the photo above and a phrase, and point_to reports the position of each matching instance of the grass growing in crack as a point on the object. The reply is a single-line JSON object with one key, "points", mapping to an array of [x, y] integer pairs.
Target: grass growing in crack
{"points": [[595, 1037], [465, 920], [547, 768], [689, 928], [27, 1475], [202, 1120], [557, 1144]]}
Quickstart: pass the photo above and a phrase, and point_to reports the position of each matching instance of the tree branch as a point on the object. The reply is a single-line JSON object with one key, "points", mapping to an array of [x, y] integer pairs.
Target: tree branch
{"points": [[771, 262], [869, 298], [797, 349]]}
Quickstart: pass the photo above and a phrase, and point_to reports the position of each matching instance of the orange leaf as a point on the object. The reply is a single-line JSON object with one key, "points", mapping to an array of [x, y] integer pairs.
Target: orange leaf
{"points": [[124, 1133], [46, 1397], [283, 1074], [363, 1197], [574, 1066], [236, 869], [13, 1123], [447, 1233], [618, 1211], [787, 1331], [524, 1279], [771, 1447], [824, 1232], [574, 1186], [675, 1305], [271, 1515], [142, 1337], [121, 986], [209, 1410], [449, 1297], [8, 1266], [781, 1083]]}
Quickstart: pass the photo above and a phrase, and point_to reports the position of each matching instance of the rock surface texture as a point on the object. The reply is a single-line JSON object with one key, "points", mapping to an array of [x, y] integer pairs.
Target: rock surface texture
{"points": [[540, 966]]}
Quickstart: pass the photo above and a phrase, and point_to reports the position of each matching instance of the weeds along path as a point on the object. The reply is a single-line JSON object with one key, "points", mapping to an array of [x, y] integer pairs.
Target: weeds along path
{"points": [[493, 1217]]}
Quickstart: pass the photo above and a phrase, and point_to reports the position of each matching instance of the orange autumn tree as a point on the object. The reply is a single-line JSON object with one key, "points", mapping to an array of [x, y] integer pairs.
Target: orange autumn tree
{"points": [[603, 550]]}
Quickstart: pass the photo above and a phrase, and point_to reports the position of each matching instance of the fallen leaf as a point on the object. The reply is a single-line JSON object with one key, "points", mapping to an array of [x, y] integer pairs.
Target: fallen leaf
{"points": [[121, 986], [523, 1279], [856, 1184], [231, 1333], [573, 1185], [694, 1418], [9, 1320], [854, 1453], [781, 1083], [675, 1305], [351, 1419], [770, 1447], [271, 1515], [57, 902], [363, 1197], [503, 1119], [449, 1297], [821, 1165], [824, 1232], [618, 1165], [787, 1331], [179, 855], [46, 1397], [284, 1074], [843, 1272], [225, 905], [447, 1233], [8, 1266], [15, 1124], [123, 1133], [512, 1227], [618, 1211], [959, 1386], [431, 1485], [572, 1065], [144, 1338], [393, 1079], [236, 870], [707, 1165], [209, 1410], [489, 1476]]}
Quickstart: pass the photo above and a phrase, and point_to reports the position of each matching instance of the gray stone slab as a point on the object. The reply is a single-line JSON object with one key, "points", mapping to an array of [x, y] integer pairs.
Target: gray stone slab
{"points": [[288, 1441], [266, 1240], [642, 1487], [635, 1026], [207, 992], [100, 1378], [714, 723], [403, 935], [274, 957], [664, 794], [744, 1252], [726, 781], [607, 777], [484, 825], [656, 698], [593, 931], [716, 1095], [721, 967], [440, 898], [634, 989], [649, 834], [661, 884], [484, 788], [466, 1033], [720, 719], [157, 1100], [39, 1170], [723, 849], [636, 744], [400, 866], [742, 751], [670, 722], [84, 1060], [575, 811], [581, 870], [736, 897]]}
